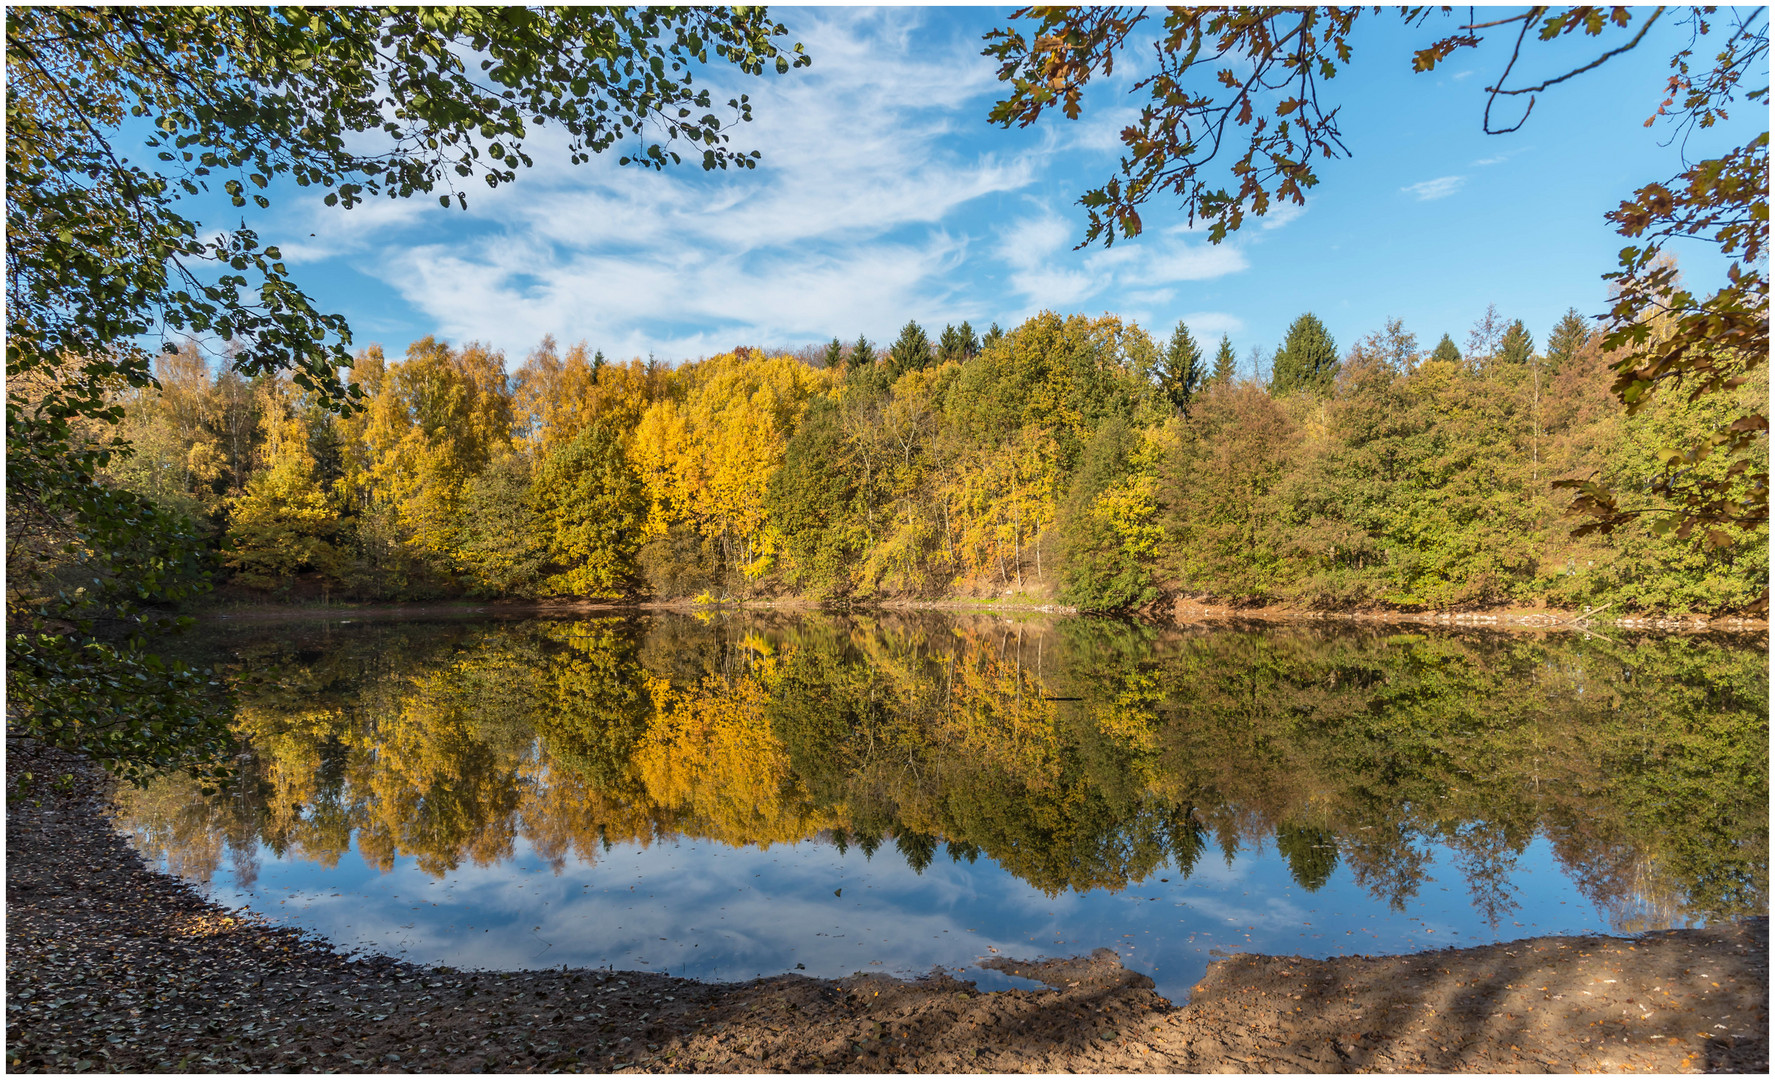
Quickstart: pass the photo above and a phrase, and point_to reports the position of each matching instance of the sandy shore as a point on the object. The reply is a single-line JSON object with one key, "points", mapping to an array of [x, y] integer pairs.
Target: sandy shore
{"points": [[114, 967]]}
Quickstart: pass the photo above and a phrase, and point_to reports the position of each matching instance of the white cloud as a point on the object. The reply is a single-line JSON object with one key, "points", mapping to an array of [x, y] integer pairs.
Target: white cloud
{"points": [[863, 211], [1499, 159], [1439, 188], [1281, 213]]}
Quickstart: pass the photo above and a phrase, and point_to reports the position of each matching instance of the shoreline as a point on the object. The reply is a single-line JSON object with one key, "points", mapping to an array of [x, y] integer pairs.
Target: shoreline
{"points": [[1181, 613], [114, 964]]}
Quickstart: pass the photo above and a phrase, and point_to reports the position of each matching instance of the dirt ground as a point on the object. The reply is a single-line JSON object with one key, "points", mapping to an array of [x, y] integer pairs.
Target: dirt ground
{"points": [[113, 967]]}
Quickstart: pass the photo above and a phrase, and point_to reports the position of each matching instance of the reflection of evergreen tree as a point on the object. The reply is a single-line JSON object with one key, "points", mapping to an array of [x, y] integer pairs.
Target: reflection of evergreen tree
{"points": [[918, 848], [1311, 855], [1185, 841], [961, 849]]}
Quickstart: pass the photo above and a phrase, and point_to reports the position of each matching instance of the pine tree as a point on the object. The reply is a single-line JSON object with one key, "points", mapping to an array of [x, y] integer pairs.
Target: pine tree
{"points": [[912, 352], [1226, 361], [834, 357], [1306, 361], [862, 353], [993, 336], [1447, 351], [949, 346], [1517, 347], [969, 342], [1565, 340], [1183, 371]]}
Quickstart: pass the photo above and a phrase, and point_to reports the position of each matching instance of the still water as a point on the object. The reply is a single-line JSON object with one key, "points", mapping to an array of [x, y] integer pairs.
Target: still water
{"points": [[737, 795]]}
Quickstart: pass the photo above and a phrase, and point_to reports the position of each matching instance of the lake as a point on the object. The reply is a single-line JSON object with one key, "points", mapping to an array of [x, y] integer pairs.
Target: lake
{"points": [[729, 795]]}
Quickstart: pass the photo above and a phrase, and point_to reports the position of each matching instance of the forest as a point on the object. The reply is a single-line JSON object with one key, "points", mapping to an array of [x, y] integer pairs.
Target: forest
{"points": [[1071, 459]]}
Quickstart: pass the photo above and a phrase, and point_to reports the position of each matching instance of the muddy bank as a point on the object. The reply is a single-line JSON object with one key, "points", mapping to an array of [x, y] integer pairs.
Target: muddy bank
{"points": [[114, 967]]}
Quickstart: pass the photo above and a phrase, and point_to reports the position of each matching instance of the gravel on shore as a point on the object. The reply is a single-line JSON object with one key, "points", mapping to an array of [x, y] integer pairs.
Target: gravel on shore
{"points": [[114, 967]]}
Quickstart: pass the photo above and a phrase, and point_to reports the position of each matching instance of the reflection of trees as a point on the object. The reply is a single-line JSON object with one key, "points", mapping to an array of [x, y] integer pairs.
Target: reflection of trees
{"points": [[1077, 756]]}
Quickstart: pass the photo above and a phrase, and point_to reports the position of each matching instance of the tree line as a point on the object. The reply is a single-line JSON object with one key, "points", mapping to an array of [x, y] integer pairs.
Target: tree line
{"points": [[1072, 458]]}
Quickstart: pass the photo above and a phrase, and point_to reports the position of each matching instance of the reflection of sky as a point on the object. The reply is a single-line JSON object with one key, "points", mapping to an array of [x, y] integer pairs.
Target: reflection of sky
{"points": [[701, 909]]}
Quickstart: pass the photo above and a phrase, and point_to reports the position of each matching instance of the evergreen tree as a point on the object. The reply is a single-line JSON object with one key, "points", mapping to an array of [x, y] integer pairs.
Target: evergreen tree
{"points": [[957, 343], [834, 357], [1563, 343], [1517, 347], [1306, 361], [993, 336], [949, 345], [862, 353], [1226, 361], [1183, 372], [598, 360], [970, 343], [911, 352], [1447, 351]]}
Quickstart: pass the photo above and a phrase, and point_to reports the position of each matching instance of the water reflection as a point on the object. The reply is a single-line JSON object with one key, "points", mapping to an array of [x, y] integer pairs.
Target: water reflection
{"points": [[1056, 760]]}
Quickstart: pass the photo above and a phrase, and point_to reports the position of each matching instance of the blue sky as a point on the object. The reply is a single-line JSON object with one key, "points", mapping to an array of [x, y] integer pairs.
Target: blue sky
{"points": [[884, 194]]}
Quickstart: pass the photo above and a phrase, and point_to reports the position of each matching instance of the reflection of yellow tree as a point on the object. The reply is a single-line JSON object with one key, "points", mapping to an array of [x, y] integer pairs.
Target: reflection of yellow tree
{"points": [[299, 814], [711, 754]]}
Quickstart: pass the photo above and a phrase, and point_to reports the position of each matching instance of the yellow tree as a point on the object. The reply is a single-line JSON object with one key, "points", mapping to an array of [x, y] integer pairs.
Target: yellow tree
{"points": [[554, 398], [434, 423], [284, 523], [708, 462]]}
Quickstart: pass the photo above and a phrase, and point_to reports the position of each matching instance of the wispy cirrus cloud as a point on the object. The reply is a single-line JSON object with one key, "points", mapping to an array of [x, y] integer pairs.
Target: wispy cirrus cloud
{"points": [[1439, 188], [883, 194]]}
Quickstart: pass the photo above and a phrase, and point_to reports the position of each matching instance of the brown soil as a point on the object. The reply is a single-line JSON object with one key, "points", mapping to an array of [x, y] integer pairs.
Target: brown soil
{"points": [[114, 967]]}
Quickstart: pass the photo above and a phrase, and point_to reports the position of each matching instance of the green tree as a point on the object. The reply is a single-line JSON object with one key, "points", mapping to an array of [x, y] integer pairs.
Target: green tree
{"points": [[1100, 569], [502, 543], [993, 336], [862, 353], [1287, 59], [910, 352], [1182, 372], [1568, 336], [592, 505], [1306, 362], [1446, 351], [1226, 362], [957, 344], [833, 357], [358, 102], [1517, 347], [812, 502]]}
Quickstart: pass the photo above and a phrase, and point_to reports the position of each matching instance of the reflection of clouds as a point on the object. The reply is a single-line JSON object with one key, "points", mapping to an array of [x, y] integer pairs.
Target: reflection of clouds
{"points": [[731, 914], [1271, 913]]}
